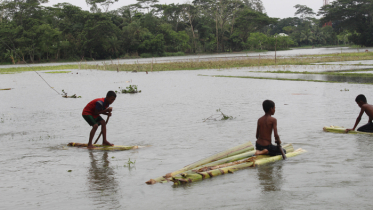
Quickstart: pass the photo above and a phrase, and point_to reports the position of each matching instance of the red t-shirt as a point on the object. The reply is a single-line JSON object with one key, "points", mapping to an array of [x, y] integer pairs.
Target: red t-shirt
{"points": [[97, 104]]}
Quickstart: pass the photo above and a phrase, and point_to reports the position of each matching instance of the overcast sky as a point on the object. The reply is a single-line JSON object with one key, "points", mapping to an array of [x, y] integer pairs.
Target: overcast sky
{"points": [[274, 8]]}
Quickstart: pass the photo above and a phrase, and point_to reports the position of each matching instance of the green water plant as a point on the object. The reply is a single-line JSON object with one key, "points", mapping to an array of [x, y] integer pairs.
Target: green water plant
{"points": [[129, 89], [64, 94], [219, 116], [129, 162]]}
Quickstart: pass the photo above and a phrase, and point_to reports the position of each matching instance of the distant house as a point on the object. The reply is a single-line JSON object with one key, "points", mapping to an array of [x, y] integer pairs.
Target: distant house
{"points": [[282, 34]]}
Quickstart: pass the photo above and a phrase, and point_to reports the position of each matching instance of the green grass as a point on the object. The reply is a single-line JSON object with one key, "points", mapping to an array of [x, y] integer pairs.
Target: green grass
{"points": [[36, 68], [334, 73], [203, 64], [286, 79], [350, 54], [57, 72], [222, 64]]}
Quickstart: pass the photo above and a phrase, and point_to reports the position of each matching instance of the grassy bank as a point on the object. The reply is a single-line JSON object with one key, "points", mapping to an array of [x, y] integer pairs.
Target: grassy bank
{"points": [[196, 64], [334, 73], [225, 63], [36, 68], [286, 79], [359, 55]]}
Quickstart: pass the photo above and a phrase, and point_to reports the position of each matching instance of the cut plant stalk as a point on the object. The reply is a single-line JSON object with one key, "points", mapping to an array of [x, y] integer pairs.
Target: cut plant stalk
{"points": [[104, 147], [260, 160], [228, 153]]}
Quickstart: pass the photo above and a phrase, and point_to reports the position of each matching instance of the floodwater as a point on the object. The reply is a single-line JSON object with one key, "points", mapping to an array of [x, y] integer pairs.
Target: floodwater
{"points": [[36, 124], [218, 56]]}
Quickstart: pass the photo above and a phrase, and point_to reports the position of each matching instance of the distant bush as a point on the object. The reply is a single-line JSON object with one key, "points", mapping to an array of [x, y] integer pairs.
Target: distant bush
{"points": [[147, 55], [174, 54]]}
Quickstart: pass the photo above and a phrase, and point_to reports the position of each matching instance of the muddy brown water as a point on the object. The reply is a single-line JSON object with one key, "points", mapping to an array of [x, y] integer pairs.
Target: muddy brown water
{"points": [[36, 124]]}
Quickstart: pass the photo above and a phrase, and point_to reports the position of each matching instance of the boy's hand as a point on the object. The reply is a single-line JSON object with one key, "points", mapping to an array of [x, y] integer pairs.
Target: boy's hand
{"points": [[109, 114], [278, 141], [347, 130], [109, 109]]}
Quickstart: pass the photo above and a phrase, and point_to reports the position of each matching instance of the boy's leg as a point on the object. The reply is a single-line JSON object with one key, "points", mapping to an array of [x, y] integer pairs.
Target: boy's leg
{"points": [[103, 130], [92, 122], [91, 135]]}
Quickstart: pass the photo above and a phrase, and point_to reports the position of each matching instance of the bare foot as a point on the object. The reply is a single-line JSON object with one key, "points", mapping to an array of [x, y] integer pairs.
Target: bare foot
{"points": [[106, 143], [90, 147], [263, 152]]}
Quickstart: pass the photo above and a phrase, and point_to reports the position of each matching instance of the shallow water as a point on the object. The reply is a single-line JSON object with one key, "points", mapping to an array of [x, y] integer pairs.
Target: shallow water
{"points": [[36, 124]]}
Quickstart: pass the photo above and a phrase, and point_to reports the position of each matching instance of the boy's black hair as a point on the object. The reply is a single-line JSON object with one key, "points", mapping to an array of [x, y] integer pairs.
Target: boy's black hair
{"points": [[111, 93], [267, 105], [361, 97]]}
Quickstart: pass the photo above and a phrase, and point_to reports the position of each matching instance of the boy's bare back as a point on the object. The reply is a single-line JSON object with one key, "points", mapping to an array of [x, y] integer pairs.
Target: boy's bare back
{"points": [[266, 124], [368, 109]]}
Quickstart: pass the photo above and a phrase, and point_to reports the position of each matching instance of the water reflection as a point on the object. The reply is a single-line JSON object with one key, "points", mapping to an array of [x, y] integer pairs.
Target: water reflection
{"points": [[270, 178], [103, 186]]}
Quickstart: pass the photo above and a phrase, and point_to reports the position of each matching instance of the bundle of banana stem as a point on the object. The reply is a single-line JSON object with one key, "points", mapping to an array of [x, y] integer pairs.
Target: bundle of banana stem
{"points": [[228, 161]]}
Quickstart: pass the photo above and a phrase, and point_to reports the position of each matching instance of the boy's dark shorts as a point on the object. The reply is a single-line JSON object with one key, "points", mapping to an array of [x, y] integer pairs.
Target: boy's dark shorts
{"points": [[366, 128], [272, 149], [92, 121]]}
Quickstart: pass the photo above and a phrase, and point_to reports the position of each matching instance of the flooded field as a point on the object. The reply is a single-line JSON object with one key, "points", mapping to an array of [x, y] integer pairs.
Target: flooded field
{"points": [[205, 57], [39, 171]]}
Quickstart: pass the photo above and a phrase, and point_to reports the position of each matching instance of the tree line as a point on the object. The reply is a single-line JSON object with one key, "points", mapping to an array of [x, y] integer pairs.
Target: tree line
{"points": [[64, 31]]}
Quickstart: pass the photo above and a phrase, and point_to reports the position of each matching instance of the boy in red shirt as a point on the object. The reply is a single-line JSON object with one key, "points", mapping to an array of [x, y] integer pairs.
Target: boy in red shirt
{"points": [[91, 113]]}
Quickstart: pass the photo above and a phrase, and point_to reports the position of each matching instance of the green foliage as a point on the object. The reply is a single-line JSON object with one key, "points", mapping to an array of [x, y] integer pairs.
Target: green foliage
{"points": [[129, 89], [129, 163], [353, 16], [64, 95], [219, 116]]}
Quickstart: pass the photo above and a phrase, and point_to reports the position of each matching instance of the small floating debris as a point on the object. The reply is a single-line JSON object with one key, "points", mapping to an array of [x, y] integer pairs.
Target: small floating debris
{"points": [[6, 89], [64, 95], [129, 89]]}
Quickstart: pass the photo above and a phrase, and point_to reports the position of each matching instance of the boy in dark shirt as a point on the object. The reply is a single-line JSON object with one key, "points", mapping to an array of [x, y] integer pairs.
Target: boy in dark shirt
{"points": [[368, 109], [91, 113], [266, 124]]}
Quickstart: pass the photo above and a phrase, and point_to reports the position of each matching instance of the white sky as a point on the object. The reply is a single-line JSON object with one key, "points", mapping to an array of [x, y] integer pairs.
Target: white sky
{"points": [[274, 8]]}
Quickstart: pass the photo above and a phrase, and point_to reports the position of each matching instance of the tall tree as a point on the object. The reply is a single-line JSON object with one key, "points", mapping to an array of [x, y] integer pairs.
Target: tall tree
{"points": [[352, 15]]}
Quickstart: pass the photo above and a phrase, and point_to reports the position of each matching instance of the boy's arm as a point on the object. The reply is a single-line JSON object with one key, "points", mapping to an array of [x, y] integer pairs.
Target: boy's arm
{"points": [[277, 137], [106, 111], [357, 120], [257, 130]]}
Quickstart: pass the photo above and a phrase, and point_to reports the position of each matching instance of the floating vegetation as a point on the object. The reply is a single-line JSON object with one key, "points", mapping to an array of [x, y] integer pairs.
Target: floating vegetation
{"points": [[129, 162], [6, 89], [129, 89], [64, 94], [219, 116], [57, 72], [69, 170], [345, 89]]}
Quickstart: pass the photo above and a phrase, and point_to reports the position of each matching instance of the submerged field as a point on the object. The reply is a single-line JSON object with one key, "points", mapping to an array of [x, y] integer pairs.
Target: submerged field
{"points": [[40, 171]]}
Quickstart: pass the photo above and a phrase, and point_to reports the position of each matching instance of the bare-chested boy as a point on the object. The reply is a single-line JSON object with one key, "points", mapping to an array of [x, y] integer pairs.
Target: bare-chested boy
{"points": [[266, 124], [368, 109]]}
